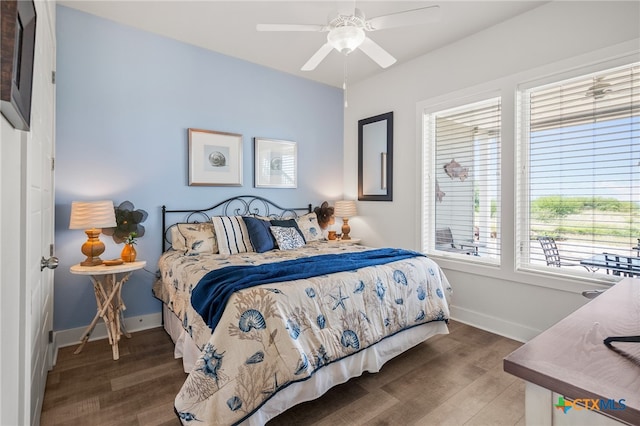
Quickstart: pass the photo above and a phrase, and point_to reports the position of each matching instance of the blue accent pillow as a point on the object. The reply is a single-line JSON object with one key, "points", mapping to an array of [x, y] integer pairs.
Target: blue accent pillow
{"points": [[288, 223], [259, 234]]}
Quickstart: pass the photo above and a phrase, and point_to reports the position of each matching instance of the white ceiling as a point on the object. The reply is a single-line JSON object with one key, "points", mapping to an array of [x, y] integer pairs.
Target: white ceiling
{"points": [[229, 27]]}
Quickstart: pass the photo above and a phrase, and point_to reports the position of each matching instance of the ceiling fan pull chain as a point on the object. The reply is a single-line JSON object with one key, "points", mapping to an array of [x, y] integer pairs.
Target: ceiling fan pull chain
{"points": [[344, 82]]}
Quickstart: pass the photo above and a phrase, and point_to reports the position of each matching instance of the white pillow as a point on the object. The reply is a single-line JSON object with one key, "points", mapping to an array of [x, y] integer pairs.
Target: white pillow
{"points": [[194, 238], [231, 234], [288, 238], [309, 227]]}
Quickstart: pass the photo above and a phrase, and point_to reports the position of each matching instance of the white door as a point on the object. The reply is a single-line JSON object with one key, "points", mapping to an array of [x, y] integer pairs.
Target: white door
{"points": [[40, 212], [26, 232]]}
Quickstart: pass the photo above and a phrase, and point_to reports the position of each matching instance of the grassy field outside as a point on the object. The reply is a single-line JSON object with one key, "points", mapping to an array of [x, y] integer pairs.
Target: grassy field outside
{"points": [[600, 229], [587, 233]]}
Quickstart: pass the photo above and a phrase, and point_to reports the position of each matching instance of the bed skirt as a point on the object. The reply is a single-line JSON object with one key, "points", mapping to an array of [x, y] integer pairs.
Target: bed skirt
{"points": [[371, 359]]}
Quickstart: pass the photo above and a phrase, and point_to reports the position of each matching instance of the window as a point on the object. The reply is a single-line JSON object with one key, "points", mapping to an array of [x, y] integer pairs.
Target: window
{"points": [[461, 185], [579, 158]]}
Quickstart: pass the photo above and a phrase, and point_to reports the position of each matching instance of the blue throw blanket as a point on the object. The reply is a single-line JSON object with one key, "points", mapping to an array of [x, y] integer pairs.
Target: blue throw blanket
{"points": [[210, 296]]}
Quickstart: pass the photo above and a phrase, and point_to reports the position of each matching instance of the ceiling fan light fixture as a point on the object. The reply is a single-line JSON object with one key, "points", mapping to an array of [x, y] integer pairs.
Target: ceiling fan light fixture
{"points": [[346, 39], [346, 33]]}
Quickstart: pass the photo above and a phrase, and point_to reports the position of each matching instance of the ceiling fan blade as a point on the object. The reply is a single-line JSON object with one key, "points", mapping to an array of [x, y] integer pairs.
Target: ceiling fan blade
{"points": [[404, 19], [317, 57], [377, 53], [290, 27]]}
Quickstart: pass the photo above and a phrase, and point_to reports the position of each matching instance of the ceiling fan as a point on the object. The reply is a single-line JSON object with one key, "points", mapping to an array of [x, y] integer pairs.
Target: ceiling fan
{"points": [[346, 32]]}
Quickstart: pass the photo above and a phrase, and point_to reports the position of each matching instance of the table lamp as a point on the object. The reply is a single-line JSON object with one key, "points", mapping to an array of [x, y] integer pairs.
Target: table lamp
{"points": [[92, 216], [345, 209]]}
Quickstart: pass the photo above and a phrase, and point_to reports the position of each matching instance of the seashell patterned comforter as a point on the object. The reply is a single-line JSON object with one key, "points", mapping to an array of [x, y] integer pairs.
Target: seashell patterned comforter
{"points": [[275, 334]]}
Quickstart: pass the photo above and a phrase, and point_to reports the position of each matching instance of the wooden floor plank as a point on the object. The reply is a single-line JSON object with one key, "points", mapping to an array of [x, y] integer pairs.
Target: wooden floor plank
{"points": [[410, 360], [466, 404], [360, 412], [421, 387], [157, 414], [72, 410], [141, 376], [505, 410]]}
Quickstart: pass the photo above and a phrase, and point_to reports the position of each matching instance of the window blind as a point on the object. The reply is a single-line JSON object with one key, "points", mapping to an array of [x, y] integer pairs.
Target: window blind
{"points": [[582, 184], [465, 171]]}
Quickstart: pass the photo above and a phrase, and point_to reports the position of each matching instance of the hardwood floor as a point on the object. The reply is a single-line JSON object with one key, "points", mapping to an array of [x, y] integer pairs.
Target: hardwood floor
{"points": [[455, 379]]}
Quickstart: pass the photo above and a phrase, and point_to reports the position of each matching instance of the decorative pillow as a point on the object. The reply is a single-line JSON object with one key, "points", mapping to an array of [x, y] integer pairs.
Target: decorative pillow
{"points": [[288, 238], [309, 227], [231, 234], [287, 223], [194, 238], [259, 234]]}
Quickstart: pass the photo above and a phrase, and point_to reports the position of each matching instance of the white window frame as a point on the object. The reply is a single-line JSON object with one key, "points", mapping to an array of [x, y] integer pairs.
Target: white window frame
{"points": [[427, 177], [509, 269], [522, 206]]}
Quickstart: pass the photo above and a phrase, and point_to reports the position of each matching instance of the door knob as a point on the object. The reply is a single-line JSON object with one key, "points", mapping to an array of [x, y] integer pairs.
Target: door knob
{"points": [[51, 263]]}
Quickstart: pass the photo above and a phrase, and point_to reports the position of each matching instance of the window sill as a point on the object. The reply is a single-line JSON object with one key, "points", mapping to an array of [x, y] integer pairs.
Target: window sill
{"points": [[529, 276]]}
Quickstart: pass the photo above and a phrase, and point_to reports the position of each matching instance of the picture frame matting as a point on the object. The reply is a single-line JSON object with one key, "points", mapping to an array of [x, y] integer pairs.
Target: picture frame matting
{"points": [[215, 158], [275, 163]]}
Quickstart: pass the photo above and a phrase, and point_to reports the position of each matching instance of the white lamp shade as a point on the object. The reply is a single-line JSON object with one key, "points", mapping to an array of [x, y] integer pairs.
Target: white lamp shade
{"points": [[92, 214], [346, 39], [345, 208]]}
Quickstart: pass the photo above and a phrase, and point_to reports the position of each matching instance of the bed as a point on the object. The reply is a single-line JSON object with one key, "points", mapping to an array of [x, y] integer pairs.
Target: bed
{"points": [[266, 313]]}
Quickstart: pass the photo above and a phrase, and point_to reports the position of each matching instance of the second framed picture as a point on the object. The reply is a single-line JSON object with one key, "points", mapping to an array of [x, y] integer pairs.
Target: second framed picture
{"points": [[276, 163]]}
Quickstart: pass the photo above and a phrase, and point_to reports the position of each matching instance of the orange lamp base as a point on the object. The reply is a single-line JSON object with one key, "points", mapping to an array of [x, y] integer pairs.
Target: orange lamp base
{"points": [[92, 248]]}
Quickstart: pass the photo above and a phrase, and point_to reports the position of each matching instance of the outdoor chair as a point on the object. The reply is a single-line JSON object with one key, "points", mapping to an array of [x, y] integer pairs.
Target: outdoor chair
{"points": [[552, 255], [445, 242], [620, 262], [618, 265]]}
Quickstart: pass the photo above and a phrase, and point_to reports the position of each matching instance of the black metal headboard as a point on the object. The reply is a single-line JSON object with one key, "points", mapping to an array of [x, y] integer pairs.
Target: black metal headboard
{"points": [[242, 205]]}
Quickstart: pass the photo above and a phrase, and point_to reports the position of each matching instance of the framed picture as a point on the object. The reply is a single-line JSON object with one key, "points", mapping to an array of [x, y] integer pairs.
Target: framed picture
{"points": [[17, 46], [276, 163], [215, 158]]}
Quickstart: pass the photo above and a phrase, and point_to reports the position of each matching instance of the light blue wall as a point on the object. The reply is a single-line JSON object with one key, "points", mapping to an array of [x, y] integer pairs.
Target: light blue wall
{"points": [[125, 99]]}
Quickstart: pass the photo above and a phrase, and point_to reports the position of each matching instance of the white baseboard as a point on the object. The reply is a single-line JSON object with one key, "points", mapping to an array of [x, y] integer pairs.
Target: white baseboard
{"points": [[511, 330], [479, 320], [72, 336]]}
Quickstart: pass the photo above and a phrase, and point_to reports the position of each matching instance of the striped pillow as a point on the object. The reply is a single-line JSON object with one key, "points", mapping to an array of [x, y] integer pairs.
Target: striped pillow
{"points": [[231, 234]]}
